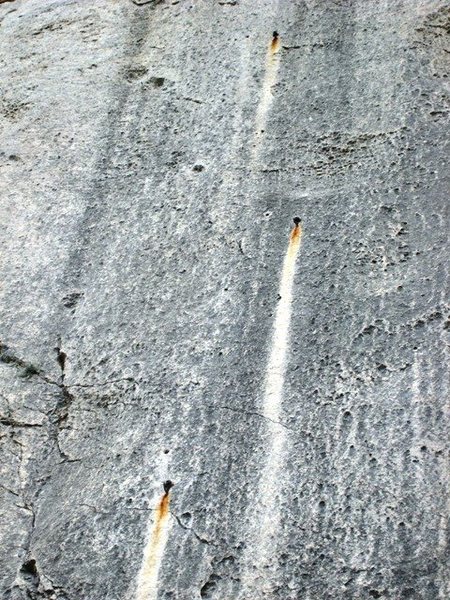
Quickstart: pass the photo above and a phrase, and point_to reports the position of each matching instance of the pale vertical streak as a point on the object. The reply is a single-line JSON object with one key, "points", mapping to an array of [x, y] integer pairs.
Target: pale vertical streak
{"points": [[280, 340], [266, 519], [270, 79], [158, 529], [158, 534], [444, 587]]}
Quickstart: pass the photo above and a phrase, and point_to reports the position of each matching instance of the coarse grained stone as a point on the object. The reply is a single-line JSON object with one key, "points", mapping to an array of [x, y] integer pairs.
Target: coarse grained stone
{"points": [[143, 237]]}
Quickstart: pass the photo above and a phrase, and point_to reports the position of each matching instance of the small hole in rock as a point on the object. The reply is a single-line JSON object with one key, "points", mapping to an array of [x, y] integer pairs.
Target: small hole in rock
{"points": [[157, 81], [207, 589], [29, 567]]}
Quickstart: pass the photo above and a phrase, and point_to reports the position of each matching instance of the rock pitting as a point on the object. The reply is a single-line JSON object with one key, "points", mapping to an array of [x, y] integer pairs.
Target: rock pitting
{"points": [[153, 156]]}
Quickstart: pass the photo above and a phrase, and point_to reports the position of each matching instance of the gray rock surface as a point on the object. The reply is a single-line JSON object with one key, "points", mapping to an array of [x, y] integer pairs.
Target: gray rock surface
{"points": [[143, 228]]}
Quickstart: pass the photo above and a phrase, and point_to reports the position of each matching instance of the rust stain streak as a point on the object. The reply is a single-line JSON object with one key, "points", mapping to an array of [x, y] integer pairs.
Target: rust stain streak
{"points": [[161, 513], [275, 43], [295, 237], [147, 588], [265, 101]]}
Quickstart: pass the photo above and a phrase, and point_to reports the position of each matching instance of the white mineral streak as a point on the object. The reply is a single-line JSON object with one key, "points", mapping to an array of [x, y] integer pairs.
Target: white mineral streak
{"points": [[147, 587], [158, 533], [270, 79], [267, 516]]}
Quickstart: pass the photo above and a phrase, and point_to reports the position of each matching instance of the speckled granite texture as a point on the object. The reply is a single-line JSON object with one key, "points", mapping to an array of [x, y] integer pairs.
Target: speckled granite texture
{"points": [[144, 217]]}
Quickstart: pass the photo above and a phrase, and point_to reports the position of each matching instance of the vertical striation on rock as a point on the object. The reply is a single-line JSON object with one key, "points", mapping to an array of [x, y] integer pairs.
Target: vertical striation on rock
{"points": [[143, 221]]}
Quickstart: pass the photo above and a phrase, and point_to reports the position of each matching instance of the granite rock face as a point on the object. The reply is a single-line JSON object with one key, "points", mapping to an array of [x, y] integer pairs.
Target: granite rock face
{"points": [[144, 220]]}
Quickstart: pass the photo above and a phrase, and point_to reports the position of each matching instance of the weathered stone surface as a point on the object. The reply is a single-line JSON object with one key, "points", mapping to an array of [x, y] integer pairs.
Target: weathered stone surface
{"points": [[144, 225]]}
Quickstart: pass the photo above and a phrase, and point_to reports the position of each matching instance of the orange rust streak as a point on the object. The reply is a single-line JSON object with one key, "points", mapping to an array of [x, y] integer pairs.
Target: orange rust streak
{"points": [[162, 510], [163, 507], [296, 233], [147, 586], [294, 240], [275, 44]]}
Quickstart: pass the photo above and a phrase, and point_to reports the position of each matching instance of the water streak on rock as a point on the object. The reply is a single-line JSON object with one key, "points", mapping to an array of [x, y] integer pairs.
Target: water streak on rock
{"points": [[147, 588], [270, 79], [276, 366], [267, 515]]}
